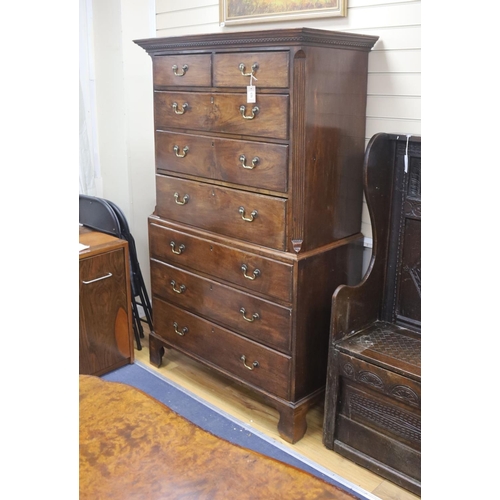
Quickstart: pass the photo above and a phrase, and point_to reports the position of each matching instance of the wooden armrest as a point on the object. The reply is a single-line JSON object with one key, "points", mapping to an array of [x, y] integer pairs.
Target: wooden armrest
{"points": [[354, 307]]}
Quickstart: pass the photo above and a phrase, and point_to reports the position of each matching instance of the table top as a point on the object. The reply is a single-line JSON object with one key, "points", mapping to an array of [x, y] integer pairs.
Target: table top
{"points": [[98, 242]]}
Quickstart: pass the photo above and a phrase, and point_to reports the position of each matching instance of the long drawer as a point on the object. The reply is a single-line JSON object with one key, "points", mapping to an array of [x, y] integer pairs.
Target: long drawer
{"points": [[251, 316], [253, 272], [247, 360], [248, 216], [249, 163], [225, 112]]}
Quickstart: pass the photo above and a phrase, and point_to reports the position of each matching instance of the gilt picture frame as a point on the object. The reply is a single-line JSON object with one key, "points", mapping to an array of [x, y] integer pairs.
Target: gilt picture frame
{"points": [[234, 12]]}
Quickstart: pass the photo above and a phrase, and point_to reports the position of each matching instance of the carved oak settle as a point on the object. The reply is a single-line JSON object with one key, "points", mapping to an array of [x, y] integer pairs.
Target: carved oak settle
{"points": [[373, 396]]}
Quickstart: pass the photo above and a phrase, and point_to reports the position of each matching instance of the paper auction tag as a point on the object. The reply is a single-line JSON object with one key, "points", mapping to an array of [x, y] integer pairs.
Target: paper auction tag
{"points": [[251, 94]]}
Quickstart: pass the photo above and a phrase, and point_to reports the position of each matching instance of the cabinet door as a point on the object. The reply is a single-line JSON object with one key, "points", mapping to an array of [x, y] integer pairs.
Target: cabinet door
{"points": [[104, 321]]}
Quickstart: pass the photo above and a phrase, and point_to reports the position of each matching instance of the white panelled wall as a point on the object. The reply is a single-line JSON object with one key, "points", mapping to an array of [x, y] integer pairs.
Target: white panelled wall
{"points": [[393, 103]]}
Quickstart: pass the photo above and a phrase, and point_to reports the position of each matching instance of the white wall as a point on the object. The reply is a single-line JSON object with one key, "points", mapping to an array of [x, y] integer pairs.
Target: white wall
{"points": [[124, 88], [123, 82]]}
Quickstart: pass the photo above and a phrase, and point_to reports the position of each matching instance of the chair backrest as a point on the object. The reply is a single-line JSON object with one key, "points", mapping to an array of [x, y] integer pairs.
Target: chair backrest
{"points": [[402, 303], [127, 235], [98, 214]]}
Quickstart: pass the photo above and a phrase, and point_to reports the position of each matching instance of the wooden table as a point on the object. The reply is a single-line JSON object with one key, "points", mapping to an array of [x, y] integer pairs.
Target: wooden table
{"points": [[106, 338], [134, 447]]}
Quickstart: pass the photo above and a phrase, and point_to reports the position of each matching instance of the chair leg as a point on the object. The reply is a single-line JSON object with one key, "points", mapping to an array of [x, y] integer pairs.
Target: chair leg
{"points": [[136, 335], [147, 308], [137, 319]]}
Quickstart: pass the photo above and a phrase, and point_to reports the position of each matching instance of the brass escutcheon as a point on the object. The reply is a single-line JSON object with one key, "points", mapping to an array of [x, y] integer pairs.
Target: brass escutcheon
{"points": [[182, 332], [256, 273], [181, 289], [255, 160], [255, 364], [185, 150], [250, 320], [254, 214], [177, 111], [185, 199], [184, 69], [241, 67], [243, 109], [177, 252]]}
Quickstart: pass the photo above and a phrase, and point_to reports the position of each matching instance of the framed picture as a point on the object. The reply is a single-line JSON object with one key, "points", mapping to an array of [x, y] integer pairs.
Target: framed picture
{"points": [[260, 11]]}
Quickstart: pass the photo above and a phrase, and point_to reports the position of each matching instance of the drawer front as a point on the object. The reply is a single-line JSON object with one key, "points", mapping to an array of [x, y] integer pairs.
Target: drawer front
{"points": [[270, 69], [182, 70], [227, 113], [256, 164], [250, 271], [251, 316], [248, 216], [381, 414], [222, 348], [378, 379]]}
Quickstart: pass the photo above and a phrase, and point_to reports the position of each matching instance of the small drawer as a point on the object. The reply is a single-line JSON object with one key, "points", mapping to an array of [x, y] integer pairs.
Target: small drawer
{"points": [[251, 316], [226, 113], [248, 216], [255, 273], [256, 164], [240, 357], [270, 69], [182, 70]]}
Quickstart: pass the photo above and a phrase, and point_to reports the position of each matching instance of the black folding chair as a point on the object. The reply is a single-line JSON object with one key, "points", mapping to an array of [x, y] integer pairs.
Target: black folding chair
{"points": [[103, 215], [139, 293]]}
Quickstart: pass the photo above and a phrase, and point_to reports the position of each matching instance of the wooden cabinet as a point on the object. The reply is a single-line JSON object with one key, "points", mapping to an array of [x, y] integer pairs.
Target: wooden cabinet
{"points": [[258, 203], [105, 316]]}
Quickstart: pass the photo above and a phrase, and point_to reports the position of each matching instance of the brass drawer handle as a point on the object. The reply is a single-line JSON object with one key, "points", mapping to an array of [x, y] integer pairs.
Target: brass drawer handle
{"points": [[243, 109], [97, 279], [182, 332], [181, 289], [255, 364], [184, 69], [241, 67], [255, 274], [185, 199], [250, 320], [177, 252], [254, 162], [185, 150], [254, 214], [176, 106]]}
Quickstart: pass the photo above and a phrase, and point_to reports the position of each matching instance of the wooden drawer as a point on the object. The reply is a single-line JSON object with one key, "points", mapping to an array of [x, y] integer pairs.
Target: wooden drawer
{"points": [[265, 321], [192, 70], [379, 379], [381, 414], [271, 69], [249, 163], [222, 348], [222, 113], [223, 210], [273, 278]]}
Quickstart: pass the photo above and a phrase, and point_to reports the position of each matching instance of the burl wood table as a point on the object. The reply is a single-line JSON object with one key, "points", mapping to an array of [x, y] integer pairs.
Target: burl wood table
{"points": [[134, 447]]}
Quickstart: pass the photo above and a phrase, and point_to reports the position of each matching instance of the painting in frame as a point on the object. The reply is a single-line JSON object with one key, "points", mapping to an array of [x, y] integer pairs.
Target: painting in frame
{"points": [[260, 11]]}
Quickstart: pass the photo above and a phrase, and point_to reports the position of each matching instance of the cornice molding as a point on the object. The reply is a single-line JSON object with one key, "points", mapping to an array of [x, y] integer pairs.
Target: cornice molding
{"points": [[284, 37]]}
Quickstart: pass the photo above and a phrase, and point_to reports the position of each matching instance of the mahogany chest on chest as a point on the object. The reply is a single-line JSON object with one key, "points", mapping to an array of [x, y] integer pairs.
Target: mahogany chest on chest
{"points": [[258, 203]]}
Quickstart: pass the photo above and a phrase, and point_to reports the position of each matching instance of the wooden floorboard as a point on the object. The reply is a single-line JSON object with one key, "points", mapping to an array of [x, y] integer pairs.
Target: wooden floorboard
{"points": [[243, 405]]}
